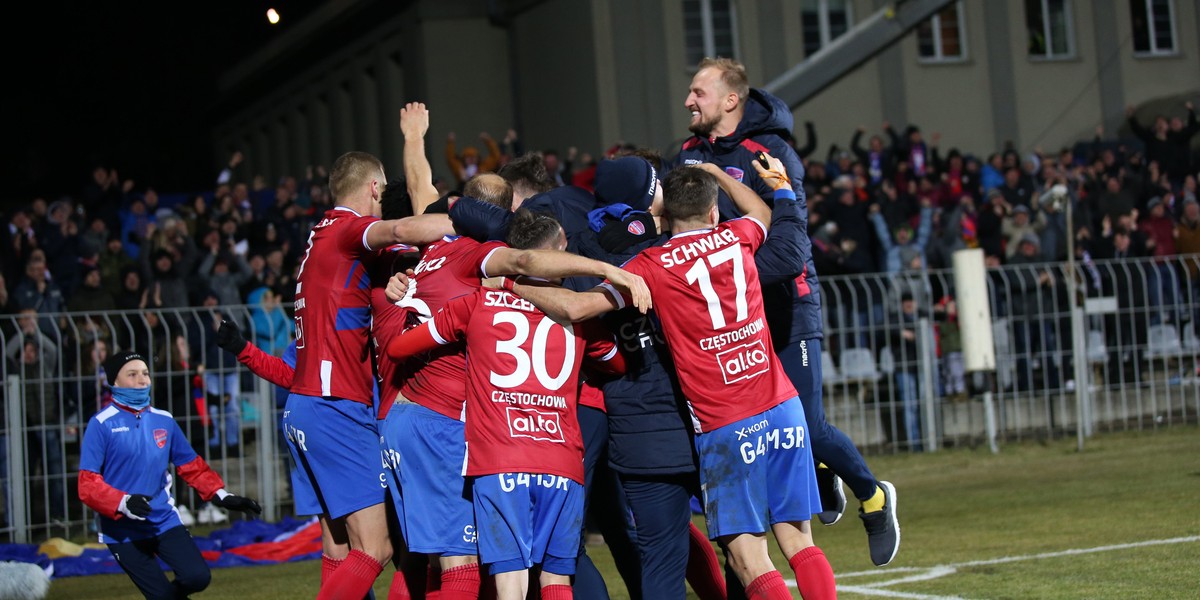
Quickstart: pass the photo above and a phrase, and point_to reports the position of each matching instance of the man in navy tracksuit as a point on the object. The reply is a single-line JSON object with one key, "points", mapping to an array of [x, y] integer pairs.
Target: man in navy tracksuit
{"points": [[731, 123]]}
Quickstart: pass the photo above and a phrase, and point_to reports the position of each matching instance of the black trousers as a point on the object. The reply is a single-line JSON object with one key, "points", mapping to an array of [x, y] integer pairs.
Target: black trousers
{"points": [[176, 548]]}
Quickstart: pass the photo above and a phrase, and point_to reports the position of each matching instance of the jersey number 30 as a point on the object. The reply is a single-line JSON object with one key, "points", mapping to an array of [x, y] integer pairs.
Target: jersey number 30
{"points": [[536, 358]]}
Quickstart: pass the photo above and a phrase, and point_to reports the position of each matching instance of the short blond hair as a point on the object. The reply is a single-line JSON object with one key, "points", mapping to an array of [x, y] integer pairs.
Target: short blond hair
{"points": [[350, 171], [733, 74]]}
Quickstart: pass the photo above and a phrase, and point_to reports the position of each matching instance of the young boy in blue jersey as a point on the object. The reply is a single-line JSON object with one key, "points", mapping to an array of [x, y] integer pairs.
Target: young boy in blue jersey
{"points": [[123, 476]]}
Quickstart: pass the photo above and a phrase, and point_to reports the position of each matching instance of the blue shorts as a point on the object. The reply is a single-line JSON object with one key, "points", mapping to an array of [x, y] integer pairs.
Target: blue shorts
{"points": [[757, 472], [425, 453], [527, 519], [335, 445]]}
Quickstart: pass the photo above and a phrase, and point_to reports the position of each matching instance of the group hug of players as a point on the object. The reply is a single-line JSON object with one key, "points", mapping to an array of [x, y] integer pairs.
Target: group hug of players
{"points": [[475, 354]]}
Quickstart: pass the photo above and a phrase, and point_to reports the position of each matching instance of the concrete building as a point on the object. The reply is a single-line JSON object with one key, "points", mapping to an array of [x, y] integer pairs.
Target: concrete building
{"points": [[587, 73]]}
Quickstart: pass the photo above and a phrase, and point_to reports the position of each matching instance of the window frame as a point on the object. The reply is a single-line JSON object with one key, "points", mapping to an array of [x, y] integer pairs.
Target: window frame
{"points": [[824, 28], [1154, 52], [935, 22], [708, 32], [1050, 55]]}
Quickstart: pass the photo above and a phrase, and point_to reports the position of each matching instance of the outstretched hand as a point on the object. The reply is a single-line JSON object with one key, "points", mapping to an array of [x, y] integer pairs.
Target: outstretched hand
{"points": [[774, 174], [238, 503], [414, 120]]}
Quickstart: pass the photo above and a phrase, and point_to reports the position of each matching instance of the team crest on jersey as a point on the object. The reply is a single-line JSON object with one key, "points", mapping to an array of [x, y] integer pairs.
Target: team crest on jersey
{"points": [[735, 173], [637, 228], [160, 437]]}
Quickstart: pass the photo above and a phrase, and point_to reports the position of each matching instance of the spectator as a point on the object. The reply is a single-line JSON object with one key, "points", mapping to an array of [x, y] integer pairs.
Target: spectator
{"points": [[1018, 225], [167, 286], [38, 292], [113, 261], [132, 294], [912, 149], [468, 164], [1162, 281], [992, 173], [903, 344], [876, 157], [272, 327], [221, 385], [1017, 190], [223, 271], [92, 299], [1167, 146], [954, 381], [1115, 201], [528, 177], [903, 252], [36, 361], [1032, 293]]}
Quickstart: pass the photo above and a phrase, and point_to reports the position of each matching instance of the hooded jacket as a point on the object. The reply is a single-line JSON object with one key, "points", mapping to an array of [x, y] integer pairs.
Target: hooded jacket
{"points": [[793, 306]]}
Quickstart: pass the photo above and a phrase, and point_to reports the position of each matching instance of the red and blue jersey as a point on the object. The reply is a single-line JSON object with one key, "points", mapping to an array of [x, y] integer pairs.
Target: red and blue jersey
{"points": [[716, 327], [131, 452], [448, 269], [387, 320], [333, 310]]}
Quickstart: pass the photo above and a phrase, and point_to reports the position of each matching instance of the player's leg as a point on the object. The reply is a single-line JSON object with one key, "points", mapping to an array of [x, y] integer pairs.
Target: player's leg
{"points": [[370, 549], [793, 498], [179, 551], [661, 513], [335, 546], [138, 560], [504, 509], [432, 502], [512, 585], [814, 575], [750, 562], [557, 528]]}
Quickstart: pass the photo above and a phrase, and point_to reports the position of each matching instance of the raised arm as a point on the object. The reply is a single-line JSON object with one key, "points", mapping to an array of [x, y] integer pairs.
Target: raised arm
{"points": [[414, 231], [555, 264], [414, 124], [563, 305], [745, 199]]}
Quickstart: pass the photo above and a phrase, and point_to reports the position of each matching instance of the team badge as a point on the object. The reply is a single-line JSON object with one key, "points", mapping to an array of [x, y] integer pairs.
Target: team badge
{"points": [[735, 173], [637, 228], [160, 437]]}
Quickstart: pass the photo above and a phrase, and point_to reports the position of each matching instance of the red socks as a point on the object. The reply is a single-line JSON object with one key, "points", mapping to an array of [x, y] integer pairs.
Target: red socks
{"points": [[557, 592], [328, 566], [399, 587], [703, 569], [769, 586], [353, 579], [814, 576], [461, 583]]}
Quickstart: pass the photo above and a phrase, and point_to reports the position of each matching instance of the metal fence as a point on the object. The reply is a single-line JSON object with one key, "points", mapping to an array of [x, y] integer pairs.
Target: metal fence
{"points": [[893, 382], [53, 384], [1123, 355]]}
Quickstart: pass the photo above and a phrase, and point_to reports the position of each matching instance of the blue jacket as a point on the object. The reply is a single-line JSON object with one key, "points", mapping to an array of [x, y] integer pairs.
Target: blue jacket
{"points": [[131, 451], [568, 204], [793, 307]]}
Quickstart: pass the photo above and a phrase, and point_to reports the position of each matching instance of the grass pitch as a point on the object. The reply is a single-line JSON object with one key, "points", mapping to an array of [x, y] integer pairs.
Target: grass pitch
{"points": [[1118, 520]]}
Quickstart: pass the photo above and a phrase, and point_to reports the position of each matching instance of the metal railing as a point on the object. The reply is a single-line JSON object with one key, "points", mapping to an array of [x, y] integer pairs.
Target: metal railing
{"points": [[890, 391], [53, 384], [1135, 367]]}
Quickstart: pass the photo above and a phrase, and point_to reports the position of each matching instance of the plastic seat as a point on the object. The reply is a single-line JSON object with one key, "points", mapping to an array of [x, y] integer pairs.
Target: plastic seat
{"points": [[858, 364], [1162, 341]]}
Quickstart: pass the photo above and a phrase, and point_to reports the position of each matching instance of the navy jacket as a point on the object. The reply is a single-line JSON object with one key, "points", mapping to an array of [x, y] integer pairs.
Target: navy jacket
{"points": [[568, 204], [793, 306], [648, 431]]}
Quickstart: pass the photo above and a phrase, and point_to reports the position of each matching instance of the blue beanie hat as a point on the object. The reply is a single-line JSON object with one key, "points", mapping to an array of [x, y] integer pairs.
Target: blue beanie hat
{"points": [[628, 180]]}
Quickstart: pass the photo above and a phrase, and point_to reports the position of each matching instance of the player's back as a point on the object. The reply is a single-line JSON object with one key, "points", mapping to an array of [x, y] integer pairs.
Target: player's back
{"points": [[387, 319], [706, 292], [332, 310], [449, 269], [522, 385]]}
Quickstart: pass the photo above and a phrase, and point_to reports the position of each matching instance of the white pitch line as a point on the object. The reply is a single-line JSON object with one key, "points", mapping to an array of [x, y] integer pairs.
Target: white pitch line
{"points": [[934, 572]]}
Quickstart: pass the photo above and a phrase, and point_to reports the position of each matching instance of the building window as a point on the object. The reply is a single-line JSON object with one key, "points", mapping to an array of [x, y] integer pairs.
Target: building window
{"points": [[1048, 24], [710, 28], [823, 21], [943, 38], [1153, 26]]}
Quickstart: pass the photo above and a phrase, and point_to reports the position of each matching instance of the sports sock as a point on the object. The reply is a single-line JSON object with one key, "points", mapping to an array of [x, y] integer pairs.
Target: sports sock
{"points": [[814, 576], [703, 569], [433, 581], [328, 566], [557, 592], [399, 588], [461, 583], [353, 579], [769, 586], [875, 502]]}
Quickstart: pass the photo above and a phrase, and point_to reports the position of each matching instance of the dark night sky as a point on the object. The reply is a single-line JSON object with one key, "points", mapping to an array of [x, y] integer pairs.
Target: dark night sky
{"points": [[123, 84]]}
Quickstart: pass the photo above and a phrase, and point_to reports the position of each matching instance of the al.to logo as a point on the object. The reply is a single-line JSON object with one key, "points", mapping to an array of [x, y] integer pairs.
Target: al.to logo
{"points": [[744, 362], [534, 424]]}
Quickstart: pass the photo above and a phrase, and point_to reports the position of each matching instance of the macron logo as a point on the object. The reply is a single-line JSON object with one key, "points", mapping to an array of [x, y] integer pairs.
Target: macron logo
{"points": [[120, 429]]}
